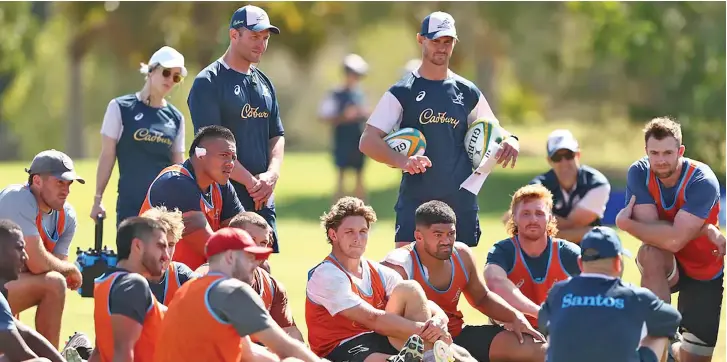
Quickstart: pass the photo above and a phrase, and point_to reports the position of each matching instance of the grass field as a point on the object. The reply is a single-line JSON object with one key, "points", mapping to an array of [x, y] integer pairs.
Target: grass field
{"points": [[302, 194]]}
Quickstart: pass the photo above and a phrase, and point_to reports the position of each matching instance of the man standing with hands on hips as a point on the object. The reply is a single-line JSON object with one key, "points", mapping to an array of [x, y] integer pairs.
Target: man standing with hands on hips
{"points": [[234, 93]]}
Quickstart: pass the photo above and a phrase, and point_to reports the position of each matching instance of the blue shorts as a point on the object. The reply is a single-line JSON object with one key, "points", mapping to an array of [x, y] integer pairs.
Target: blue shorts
{"points": [[347, 155], [468, 224]]}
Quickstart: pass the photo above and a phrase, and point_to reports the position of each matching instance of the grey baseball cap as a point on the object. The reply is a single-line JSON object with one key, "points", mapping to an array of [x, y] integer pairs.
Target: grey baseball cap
{"points": [[56, 164]]}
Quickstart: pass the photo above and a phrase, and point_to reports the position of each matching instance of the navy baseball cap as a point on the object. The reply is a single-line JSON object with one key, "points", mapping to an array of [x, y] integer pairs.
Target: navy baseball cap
{"points": [[601, 243], [437, 25], [252, 18]]}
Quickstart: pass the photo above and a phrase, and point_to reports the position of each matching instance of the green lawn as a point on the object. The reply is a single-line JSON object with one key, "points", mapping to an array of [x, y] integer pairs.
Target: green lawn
{"points": [[303, 193]]}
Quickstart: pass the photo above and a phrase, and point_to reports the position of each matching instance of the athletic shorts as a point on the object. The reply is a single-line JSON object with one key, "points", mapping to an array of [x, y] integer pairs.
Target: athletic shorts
{"points": [[468, 225], [477, 340], [647, 355], [359, 348], [346, 155], [700, 303]]}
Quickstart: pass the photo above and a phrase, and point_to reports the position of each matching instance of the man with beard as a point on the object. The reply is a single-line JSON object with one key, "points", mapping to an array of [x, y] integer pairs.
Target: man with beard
{"points": [[126, 314], [233, 92], [523, 268], [49, 224], [175, 274], [201, 190], [673, 209], [225, 310], [446, 269], [17, 341], [439, 103]]}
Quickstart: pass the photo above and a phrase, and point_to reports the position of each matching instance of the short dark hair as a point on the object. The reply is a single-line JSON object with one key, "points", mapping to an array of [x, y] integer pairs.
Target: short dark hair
{"points": [[213, 131], [136, 227], [663, 127], [7, 229], [434, 212]]}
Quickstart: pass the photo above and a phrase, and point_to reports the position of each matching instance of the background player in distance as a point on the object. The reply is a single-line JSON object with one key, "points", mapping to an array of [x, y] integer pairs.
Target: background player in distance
{"points": [[358, 310], [597, 317], [18, 342], [270, 290], [580, 193], [126, 314], [440, 104], [199, 188], [521, 269], [48, 222], [174, 274], [447, 269], [226, 310], [673, 208]]}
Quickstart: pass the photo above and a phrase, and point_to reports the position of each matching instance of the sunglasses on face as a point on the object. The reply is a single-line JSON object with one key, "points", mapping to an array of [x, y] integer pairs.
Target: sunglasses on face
{"points": [[166, 73], [568, 155]]}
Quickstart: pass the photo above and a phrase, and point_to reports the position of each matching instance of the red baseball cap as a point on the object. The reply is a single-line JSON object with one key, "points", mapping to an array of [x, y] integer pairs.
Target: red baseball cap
{"points": [[234, 239]]}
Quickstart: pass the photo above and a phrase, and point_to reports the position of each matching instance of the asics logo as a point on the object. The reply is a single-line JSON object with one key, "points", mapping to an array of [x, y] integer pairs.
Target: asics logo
{"points": [[421, 95]]}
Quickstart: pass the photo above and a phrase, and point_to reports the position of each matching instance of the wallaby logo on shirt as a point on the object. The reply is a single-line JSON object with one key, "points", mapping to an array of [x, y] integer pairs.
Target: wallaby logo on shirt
{"points": [[458, 97]]}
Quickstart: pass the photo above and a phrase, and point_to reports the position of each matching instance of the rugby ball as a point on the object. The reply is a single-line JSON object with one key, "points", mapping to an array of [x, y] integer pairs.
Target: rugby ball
{"points": [[479, 136], [407, 141]]}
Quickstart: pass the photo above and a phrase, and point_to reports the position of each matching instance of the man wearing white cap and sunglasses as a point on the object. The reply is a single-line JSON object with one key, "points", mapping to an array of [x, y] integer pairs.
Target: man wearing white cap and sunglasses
{"points": [[144, 133], [48, 224], [234, 93], [580, 193], [439, 103]]}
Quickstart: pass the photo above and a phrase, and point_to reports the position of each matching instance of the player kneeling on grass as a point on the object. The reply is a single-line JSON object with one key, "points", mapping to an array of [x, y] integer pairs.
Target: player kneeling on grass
{"points": [[521, 269], [597, 317], [174, 274], [359, 310], [446, 269], [17, 341], [213, 317], [271, 291]]}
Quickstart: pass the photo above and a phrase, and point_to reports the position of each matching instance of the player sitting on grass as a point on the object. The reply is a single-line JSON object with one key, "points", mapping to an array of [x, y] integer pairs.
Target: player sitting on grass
{"points": [[446, 269], [596, 317], [175, 274], [522, 268], [199, 188], [270, 290], [126, 314], [17, 341], [358, 310], [212, 317]]}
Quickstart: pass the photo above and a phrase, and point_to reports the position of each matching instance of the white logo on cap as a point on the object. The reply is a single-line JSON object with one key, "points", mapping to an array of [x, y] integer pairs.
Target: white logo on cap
{"points": [[139, 116], [67, 162], [256, 15], [421, 96], [237, 90]]}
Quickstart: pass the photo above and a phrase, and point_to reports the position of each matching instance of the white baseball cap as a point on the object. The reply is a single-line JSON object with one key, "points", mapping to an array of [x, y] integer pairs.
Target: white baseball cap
{"points": [[437, 25], [356, 64], [561, 139], [167, 57], [253, 18]]}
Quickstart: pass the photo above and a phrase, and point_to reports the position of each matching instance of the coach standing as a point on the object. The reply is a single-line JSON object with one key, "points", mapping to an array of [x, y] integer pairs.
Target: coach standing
{"points": [[234, 93]]}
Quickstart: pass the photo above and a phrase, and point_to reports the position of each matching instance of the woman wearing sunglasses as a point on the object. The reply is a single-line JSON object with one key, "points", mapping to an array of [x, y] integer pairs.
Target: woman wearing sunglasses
{"points": [[144, 132]]}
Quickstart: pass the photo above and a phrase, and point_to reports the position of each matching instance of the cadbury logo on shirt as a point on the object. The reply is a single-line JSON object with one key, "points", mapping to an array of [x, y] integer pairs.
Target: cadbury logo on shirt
{"points": [[146, 135], [428, 116], [250, 112]]}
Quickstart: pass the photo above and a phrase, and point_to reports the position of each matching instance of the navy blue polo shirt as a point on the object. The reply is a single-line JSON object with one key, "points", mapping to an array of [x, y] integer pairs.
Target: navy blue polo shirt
{"points": [[597, 318], [143, 149], [244, 103], [563, 203], [440, 110]]}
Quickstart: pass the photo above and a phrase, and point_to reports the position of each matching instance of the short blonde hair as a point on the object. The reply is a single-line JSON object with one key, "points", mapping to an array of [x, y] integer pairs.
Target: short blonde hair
{"points": [[171, 220], [246, 218], [529, 193]]}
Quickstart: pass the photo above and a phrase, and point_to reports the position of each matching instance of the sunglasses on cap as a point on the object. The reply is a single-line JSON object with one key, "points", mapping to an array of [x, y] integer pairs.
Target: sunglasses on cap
{"points": [[558, 156], [166, 73]]}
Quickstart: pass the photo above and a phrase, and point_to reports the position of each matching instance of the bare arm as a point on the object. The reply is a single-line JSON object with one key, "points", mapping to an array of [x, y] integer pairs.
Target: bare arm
{"points": [[283, 345], [37, 343], [496, 279], [242, 175], [41, 261], [436, 311], [578, 217], [106, 162], [14, 347], [253, 352], [372, 144], [480, 297], [196, 230], [126, 333], [177, 157], [574, 235], [646, 226], [277, 150], [381, 322]]}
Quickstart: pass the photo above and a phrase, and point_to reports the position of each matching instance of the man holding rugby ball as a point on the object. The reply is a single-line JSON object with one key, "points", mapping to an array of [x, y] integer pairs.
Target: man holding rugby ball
{"points": [[437, 102]]}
